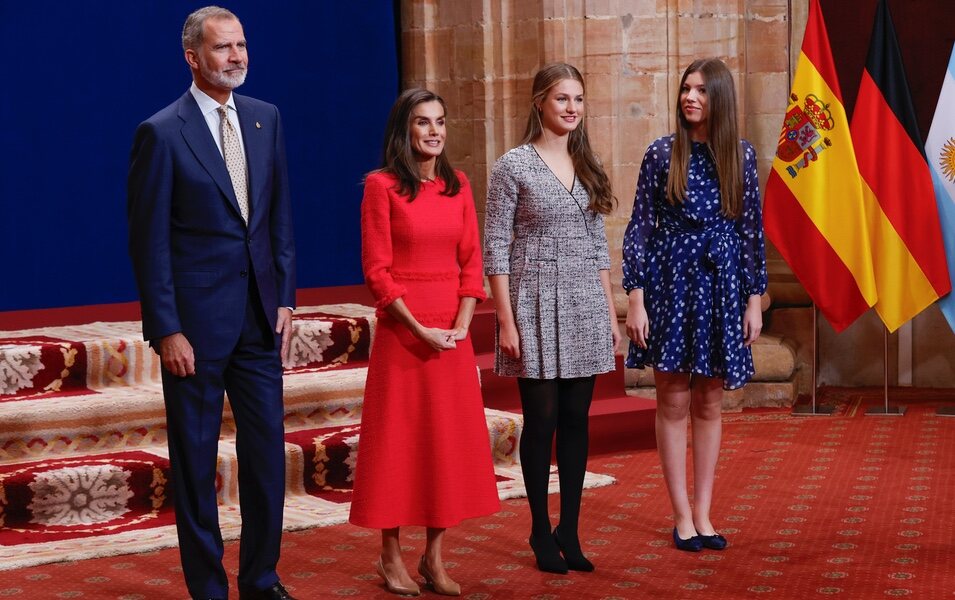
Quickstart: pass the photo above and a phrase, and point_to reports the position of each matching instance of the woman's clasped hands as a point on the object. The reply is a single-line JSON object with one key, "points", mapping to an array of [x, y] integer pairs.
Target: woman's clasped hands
{"points": [[441, 339]]}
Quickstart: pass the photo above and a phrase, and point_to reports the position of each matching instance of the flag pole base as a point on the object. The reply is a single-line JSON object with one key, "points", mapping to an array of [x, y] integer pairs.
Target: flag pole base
{"points": [[945, 411], [808, 410], [885, 411]]}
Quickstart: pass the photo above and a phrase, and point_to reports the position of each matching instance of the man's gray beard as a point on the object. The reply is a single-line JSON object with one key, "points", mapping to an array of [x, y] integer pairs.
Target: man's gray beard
{"points": [[229, 81]]}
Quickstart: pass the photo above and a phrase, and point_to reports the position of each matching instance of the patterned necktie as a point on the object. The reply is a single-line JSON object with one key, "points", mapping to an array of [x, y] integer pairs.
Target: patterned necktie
{"points": [[234, 161]]}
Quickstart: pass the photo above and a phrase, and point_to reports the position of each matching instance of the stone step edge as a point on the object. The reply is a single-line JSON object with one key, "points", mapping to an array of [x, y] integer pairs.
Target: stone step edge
{"points": [[773, 357], [755, 394]]}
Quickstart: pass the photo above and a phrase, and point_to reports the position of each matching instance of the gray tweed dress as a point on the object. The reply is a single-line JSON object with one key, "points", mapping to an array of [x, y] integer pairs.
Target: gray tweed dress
{"points": [[552, 246]]}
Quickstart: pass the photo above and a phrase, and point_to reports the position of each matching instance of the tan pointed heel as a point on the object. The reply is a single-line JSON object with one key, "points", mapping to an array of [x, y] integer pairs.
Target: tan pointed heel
{"points": [[446, 588], [396, 588]]}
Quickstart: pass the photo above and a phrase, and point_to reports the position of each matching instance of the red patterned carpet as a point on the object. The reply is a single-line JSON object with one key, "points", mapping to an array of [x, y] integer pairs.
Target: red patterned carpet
{"points": [[814, 507]]}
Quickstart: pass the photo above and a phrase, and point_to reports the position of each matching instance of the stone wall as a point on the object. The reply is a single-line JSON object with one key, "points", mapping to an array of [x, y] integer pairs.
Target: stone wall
{"points": [[482, 56]]}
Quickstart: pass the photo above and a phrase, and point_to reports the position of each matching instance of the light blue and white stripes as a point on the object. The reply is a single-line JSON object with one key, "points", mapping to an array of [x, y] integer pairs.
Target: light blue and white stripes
{"points": [[940, 152]]}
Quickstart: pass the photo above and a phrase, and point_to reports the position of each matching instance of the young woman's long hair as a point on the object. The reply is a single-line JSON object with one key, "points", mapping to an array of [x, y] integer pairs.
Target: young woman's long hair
{"points": [[586, 165], [724, 141], [398, 156]]}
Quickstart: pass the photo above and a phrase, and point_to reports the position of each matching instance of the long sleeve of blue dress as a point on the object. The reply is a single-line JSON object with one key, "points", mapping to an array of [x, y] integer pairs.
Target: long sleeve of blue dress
{"points": [[749, 226], [650, 184]]}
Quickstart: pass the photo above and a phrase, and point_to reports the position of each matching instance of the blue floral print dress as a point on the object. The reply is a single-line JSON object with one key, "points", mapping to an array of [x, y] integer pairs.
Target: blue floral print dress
{"points": [[697, 268]]}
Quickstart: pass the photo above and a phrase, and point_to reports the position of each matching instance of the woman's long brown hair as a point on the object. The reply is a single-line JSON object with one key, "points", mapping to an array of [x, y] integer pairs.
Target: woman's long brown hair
{"points": [[587, 166], [398, 157], [723, 141]]}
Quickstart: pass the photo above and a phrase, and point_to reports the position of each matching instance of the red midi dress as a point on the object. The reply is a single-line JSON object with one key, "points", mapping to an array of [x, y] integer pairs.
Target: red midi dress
{"points": [[424, 455]]}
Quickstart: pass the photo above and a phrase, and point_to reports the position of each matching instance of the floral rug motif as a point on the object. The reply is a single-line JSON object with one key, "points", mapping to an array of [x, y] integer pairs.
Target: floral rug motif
{"points": [[77, 498], [329, 457], [324, 341], [41, 367]]}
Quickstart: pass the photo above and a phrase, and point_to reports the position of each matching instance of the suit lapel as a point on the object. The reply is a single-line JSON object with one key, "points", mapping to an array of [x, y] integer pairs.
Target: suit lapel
{"points": [[256, 151], [196, 133]]}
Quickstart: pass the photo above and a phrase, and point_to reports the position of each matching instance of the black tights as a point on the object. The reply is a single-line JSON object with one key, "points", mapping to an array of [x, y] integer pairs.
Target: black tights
{"points": [[549, 405]]}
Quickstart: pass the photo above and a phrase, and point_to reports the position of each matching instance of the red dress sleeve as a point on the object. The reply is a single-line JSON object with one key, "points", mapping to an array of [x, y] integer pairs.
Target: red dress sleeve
{"points": [[469, 248], [376, 250]]}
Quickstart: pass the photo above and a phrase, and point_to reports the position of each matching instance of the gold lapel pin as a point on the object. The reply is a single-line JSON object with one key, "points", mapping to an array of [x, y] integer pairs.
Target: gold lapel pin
{"points": [[258, 125]]}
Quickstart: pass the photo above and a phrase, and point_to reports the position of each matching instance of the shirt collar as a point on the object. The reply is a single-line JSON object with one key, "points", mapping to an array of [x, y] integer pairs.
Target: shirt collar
{"points": [[206, 103]]}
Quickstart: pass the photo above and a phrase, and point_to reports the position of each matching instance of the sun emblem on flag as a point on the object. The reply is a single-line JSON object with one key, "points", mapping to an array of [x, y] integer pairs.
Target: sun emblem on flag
{"points": [[947, 159]]}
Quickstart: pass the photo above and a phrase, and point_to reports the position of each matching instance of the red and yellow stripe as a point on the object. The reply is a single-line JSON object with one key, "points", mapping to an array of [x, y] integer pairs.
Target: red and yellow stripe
{"points": [[907, 250], [817, 219]]}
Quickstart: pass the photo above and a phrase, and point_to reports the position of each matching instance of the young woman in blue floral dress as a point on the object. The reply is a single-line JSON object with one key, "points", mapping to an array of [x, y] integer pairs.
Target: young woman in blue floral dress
{"points": [[694, 270]]}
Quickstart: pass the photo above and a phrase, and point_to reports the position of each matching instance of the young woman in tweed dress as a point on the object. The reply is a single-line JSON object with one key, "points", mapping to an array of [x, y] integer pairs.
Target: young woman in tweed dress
{"points": [[694, 269], [545, 252]]}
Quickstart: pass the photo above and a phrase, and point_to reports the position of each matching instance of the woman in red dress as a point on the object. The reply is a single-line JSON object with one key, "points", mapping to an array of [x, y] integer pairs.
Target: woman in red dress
{"points": [[424, 454]]}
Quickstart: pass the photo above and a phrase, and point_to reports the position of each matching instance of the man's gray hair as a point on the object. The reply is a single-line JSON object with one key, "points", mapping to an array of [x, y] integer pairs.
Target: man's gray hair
{"points": [[192, 30]]}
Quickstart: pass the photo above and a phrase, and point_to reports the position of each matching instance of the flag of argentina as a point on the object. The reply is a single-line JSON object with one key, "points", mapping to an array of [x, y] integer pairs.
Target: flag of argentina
{"points": [[940, 152]]}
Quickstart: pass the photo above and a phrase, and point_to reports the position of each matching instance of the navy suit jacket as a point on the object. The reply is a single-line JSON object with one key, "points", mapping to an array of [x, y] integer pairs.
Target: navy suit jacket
{"points": [[191, 251]]}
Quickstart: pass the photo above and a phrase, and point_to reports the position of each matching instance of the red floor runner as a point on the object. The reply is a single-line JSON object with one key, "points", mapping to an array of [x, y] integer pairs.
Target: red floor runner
{"points": [[814, 507]]}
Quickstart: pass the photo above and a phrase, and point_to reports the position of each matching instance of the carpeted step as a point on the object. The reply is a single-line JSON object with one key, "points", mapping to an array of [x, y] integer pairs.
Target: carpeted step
{"points": [[620, 422], [83, 460], [499, 393], [617, 421], [483, 328], [129, 418], [107, 394], [123, 493], [55, 362]]}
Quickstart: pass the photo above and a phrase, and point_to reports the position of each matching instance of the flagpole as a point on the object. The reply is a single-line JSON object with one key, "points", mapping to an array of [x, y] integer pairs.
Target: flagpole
{"points": [[813, 410], [886, 410], [948, 410]]}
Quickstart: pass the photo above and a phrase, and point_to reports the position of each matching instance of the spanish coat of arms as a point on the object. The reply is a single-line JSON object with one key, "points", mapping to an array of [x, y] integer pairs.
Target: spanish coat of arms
{"points": [[803, 127]]}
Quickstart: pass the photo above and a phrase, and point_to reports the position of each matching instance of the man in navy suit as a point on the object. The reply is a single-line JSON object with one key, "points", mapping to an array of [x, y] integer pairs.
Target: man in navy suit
{"points": [[210, 236]]}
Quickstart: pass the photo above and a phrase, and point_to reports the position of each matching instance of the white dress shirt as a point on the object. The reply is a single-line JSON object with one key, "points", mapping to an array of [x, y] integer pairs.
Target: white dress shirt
{"points": [[210, 110]]}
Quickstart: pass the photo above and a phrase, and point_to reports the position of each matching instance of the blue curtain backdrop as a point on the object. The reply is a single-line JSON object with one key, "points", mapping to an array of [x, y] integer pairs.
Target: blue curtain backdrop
{"points": [[78, 77]]}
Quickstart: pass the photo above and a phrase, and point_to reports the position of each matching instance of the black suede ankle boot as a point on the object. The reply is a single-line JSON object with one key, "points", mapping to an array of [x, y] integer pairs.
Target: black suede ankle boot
{"points": [[547, 554], [573, 555]]}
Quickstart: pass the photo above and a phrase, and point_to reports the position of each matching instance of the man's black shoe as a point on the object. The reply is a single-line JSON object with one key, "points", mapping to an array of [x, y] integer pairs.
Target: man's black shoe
{"points": [[276, 592]]}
